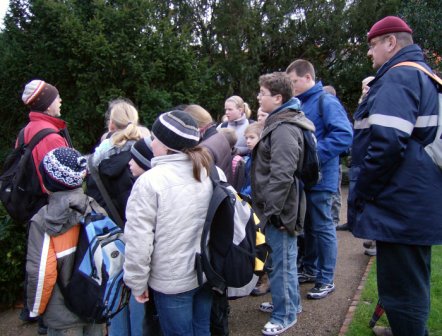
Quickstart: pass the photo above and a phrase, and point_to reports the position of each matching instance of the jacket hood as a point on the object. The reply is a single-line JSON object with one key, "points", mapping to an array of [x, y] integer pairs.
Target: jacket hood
{"points": [[292, 104], [288, 115], [65, 209]]}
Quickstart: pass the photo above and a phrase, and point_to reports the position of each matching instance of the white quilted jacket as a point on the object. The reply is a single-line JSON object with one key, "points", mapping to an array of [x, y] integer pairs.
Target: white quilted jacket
{"points": [[165, 216]]}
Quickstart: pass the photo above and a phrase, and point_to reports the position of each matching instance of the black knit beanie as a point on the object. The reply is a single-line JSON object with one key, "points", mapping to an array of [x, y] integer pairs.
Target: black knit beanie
{"points": [[142, 153], [176, 130]]}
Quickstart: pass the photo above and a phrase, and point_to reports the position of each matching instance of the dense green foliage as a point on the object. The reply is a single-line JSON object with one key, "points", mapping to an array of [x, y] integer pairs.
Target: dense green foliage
{"points": [[162, 53], [12, 238]]}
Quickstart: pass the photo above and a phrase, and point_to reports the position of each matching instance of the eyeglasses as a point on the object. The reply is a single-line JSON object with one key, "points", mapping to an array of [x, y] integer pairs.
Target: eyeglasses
{"points": [[260, 94]]}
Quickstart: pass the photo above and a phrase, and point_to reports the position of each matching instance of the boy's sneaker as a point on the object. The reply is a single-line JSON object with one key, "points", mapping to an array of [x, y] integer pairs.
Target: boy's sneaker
{"points": [[320, 291], [267, 307], [304, 277], [371, 252], [369, 244]]}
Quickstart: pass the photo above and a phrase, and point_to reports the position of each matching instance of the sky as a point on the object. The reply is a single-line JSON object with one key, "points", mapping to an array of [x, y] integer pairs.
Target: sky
{"points": [[3, 8]]}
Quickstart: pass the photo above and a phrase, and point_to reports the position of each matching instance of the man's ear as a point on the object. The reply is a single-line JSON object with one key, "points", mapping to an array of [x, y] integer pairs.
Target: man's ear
{"points": [[392, 43]]}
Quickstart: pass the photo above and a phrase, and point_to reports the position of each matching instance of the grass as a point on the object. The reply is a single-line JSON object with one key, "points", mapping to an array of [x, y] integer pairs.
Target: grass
{"points": [[369, 297]]}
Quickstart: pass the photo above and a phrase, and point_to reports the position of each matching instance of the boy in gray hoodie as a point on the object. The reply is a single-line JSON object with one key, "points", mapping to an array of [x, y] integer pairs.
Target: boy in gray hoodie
{"points": [[276, 193]]}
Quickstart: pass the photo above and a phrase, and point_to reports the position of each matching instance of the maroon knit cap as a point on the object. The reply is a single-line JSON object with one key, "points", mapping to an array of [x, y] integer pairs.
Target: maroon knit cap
{"points": [[39, 95], [389, 24]]}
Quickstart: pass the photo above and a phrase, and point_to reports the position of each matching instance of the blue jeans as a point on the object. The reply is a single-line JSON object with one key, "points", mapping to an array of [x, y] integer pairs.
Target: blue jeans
{"points": [[129, 321], [321, 245], [284, 276], [186, 314]]}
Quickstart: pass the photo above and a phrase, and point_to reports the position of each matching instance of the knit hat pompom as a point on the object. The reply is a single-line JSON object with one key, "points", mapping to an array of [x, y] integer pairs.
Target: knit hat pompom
{"points": [[63, 168], [177, 130], [142, 153], [389, 24], [39, 95]]}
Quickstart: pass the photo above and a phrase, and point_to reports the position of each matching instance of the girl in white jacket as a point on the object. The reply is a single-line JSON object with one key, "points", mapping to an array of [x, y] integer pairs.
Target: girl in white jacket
{"points": [[165, 216]]}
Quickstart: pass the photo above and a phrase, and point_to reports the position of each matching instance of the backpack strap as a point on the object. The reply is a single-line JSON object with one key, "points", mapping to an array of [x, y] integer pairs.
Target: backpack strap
{"points": [[65, 134], [21, 137], [110, 205], [321, 104], [202, 260], [433, 76], [35, 139]]}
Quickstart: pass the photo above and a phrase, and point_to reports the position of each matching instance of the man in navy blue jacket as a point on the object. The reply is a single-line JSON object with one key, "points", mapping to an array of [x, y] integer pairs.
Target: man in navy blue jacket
{"points": [[398, 189], [334, 136]]}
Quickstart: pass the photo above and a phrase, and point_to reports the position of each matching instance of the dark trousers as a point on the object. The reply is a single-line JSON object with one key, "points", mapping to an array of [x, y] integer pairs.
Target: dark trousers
{"points": [[403, 275], [219, 315]]}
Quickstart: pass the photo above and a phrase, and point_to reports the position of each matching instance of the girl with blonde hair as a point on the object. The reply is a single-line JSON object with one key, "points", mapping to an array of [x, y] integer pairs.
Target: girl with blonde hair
{"points": [[237, 113], [111, 160]]}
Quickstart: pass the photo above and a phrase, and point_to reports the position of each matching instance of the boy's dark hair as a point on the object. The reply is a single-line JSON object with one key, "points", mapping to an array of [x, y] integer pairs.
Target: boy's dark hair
{"points": [[277, 83], [301, 67]]}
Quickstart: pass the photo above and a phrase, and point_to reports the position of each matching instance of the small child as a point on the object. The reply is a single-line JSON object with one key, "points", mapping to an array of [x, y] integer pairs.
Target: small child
{"points": [[252, 135], [52, 240], [262, 116], [141, 153]]}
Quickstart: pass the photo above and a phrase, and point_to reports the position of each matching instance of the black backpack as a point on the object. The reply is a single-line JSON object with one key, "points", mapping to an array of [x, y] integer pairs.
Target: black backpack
{"points": [[310, 172], [229, 245], [20, 190]]}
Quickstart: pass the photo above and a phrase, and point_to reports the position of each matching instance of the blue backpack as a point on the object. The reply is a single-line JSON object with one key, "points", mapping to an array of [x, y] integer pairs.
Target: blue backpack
{"points": [[96, 291]]}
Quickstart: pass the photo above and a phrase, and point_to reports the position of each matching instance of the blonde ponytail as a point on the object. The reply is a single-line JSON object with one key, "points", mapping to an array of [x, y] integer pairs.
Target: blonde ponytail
{"points": [[124, 116]]}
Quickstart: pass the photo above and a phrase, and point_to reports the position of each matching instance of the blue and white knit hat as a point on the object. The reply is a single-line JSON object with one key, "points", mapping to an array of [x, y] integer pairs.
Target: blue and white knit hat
{"points": [[63, 168], [177, 130]]}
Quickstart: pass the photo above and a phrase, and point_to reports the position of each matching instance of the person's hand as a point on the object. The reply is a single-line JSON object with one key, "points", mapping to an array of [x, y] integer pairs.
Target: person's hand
{"points": [[143, 297]]}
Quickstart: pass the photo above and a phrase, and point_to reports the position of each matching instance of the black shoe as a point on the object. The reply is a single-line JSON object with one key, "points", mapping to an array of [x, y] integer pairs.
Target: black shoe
{"points": [[42, 328], [369, 244], [24, 316], [342, 227], [304, 277]]}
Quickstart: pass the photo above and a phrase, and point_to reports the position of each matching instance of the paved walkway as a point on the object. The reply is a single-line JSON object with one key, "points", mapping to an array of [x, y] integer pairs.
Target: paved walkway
{"points": [[319, 317]]}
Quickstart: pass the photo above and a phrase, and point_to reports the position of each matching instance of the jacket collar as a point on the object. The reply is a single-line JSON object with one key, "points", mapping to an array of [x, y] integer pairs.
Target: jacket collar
{"points": [[238, 122], [39, 116], [305, 96], [171, 158], [411, 53]]}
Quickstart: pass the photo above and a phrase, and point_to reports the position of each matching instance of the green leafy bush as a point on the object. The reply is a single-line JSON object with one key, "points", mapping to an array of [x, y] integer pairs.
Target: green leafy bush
{"points": [[12, 245]]}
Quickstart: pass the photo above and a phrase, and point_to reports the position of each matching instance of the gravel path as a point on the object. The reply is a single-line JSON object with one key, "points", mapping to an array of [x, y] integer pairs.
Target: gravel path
{"points": [[319, 317]]}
